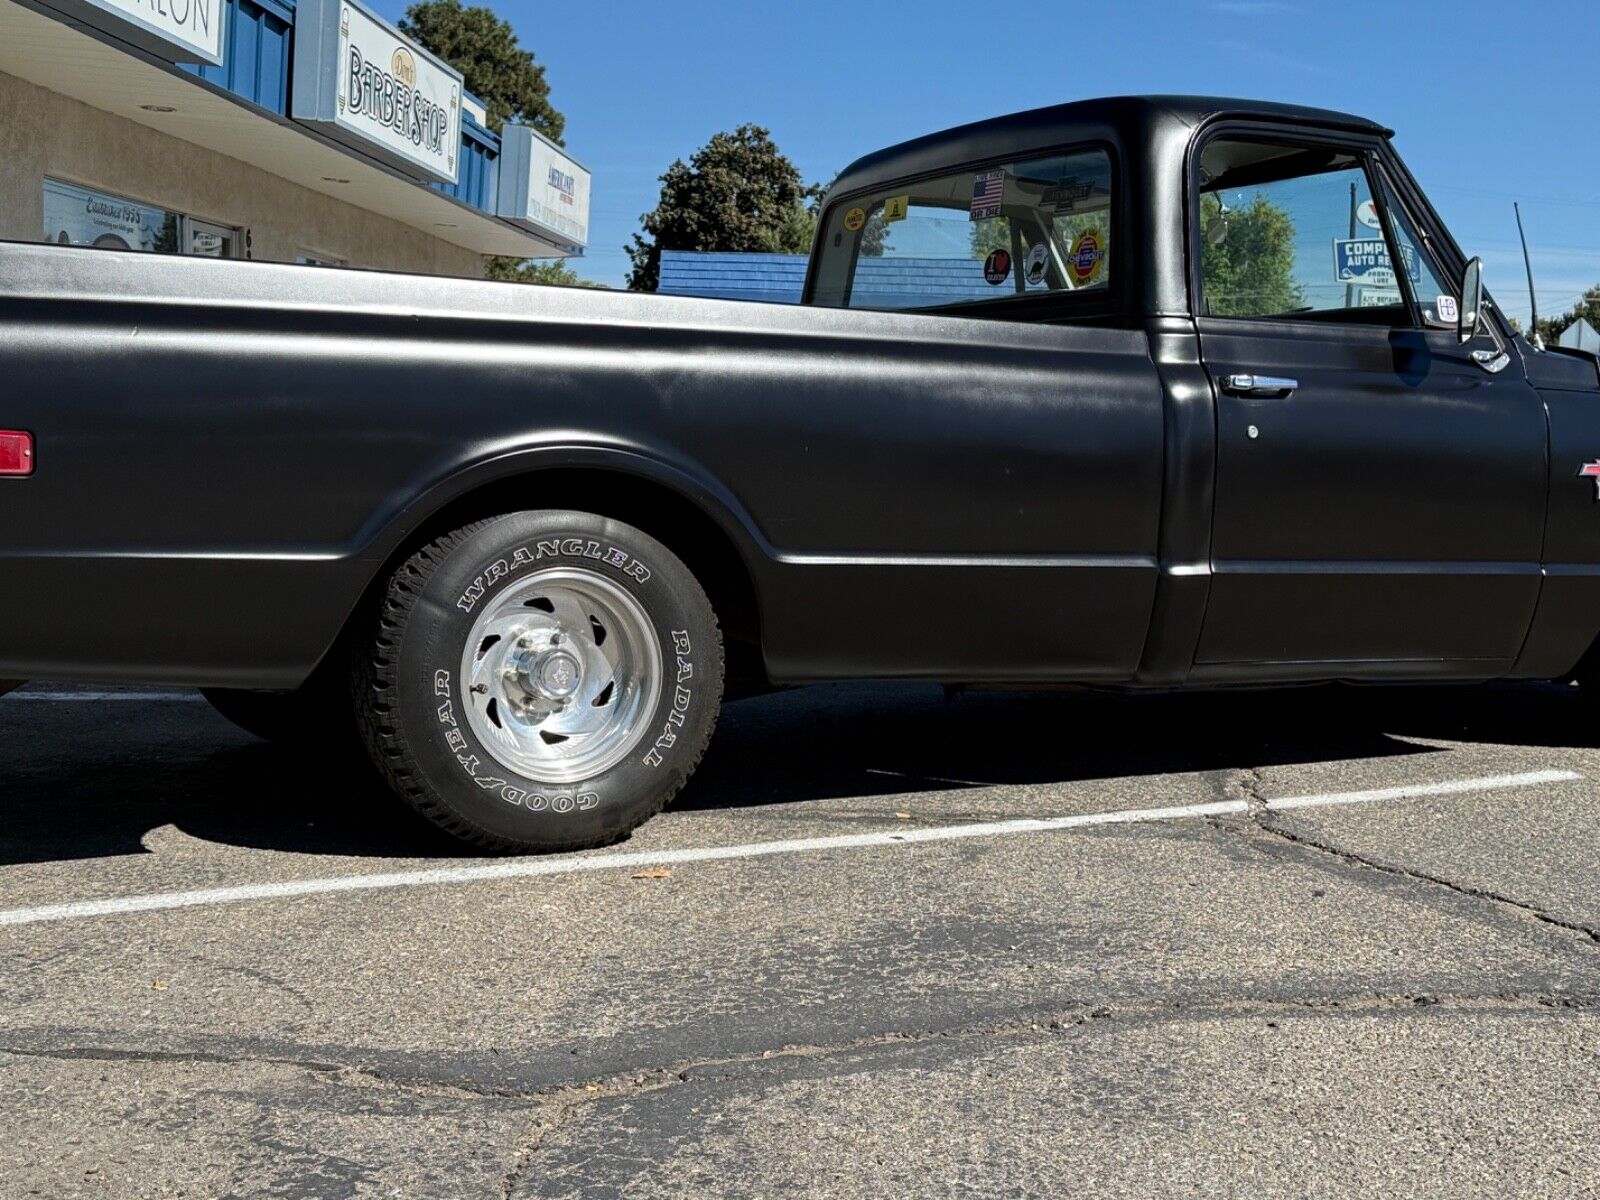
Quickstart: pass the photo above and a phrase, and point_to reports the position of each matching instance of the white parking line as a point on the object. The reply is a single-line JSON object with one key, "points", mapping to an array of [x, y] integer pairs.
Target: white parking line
{"points": [[1454, 787], [69, 697], [611, 861]]}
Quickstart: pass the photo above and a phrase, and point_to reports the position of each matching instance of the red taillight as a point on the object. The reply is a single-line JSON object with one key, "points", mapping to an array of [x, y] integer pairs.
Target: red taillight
{"points": [[16, 453]]}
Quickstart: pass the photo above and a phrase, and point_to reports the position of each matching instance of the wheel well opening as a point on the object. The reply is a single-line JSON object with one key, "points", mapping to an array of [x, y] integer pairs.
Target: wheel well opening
{"points": [[666, 515]]}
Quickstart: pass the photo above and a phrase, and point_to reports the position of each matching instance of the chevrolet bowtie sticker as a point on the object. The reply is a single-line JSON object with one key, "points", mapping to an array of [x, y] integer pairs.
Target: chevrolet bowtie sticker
{"points": [[1591, 471]]}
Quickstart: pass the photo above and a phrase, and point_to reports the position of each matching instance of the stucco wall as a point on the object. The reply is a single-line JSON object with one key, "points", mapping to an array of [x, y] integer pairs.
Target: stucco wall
{"points": [[43, 133]]}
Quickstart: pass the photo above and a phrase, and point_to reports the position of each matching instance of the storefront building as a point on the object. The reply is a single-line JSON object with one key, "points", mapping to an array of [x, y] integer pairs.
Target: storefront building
{"points": [[286, 130]]}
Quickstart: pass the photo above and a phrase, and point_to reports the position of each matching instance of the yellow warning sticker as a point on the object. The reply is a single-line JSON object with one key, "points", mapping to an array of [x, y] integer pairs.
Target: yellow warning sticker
{"points": [[855, 219], [896, 208]]}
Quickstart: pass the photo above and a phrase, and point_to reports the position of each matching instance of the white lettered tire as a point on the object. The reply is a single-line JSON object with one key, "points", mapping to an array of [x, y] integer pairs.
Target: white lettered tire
{"points": [[540, 681]]}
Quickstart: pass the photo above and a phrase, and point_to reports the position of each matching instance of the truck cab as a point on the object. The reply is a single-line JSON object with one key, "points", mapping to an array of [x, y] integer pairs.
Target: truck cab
{"points": [[1354, 481]]}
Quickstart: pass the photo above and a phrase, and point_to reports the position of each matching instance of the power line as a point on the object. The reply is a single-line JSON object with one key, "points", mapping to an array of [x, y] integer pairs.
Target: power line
{"points": [[1486, 194]]}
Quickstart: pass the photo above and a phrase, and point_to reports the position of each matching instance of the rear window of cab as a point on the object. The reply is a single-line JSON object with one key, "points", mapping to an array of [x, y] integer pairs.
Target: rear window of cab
{"points": [[1039, 226]]}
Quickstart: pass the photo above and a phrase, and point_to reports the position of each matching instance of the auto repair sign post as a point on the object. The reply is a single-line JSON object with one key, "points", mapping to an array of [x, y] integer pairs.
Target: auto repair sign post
{"points": [[366, 84]]}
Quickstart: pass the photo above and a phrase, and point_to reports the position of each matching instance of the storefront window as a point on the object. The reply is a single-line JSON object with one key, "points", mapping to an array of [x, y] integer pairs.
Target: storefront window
{"points": [[76, 216], [210, 241]]}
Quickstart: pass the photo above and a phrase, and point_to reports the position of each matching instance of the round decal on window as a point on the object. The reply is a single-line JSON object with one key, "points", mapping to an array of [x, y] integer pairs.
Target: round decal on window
{"points": [[997, 267], [1088, 256], [855, 219], [1033, 267]]}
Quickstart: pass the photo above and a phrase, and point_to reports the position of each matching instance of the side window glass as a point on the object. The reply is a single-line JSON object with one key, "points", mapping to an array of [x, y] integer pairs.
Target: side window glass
{"points": [[1291, 232], [1436, 299]]}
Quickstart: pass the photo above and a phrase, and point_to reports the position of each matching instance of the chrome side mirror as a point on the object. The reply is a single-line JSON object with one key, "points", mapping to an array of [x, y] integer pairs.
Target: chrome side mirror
{"points": [[1469, 319]]}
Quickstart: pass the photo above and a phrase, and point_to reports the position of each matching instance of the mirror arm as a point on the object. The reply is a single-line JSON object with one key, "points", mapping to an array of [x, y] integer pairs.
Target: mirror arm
{"points": [[1496, 360]]}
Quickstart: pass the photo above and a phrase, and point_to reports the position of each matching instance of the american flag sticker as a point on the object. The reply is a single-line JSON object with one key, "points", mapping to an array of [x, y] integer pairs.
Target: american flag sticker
{"points": [[988, 190]]}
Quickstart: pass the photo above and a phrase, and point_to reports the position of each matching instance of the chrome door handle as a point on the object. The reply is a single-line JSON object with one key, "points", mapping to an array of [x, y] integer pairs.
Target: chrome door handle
{"points": [[1258, 385]]}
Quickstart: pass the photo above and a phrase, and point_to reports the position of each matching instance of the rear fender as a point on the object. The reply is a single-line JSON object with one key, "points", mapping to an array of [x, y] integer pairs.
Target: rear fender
{"points": [[389, 533]]}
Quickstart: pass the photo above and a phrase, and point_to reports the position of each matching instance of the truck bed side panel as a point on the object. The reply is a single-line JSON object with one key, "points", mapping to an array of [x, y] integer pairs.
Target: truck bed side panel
{"points": [[225, 452]]}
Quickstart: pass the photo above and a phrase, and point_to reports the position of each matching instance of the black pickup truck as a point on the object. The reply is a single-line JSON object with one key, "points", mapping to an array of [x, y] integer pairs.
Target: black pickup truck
{"points": [[1144, 392]]}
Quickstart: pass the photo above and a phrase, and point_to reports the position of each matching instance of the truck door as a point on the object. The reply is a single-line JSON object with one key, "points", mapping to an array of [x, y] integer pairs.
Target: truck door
{"points": [[1379, 493]]}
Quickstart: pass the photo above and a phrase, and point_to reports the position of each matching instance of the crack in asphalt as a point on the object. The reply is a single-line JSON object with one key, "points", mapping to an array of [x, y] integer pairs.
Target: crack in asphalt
{"points": [[555, 1107], [634, 1081], [571, 1102], [526, 1147], [321, 1068], [256, 974], [1246, 785]]}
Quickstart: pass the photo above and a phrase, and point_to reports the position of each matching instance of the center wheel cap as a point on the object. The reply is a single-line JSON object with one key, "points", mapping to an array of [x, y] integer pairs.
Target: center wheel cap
{"points": [[562, 674], [557, 674]]}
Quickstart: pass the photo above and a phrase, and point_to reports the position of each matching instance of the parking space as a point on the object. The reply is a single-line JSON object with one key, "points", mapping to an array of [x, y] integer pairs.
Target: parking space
{"points": [[886, 939]]}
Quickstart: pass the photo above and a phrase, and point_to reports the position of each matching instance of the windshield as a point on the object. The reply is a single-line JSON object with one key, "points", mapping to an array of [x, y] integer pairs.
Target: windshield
{"points": [[1038, 226]]}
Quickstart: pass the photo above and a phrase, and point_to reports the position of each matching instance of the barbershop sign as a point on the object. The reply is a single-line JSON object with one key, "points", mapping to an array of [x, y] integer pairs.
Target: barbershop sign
{"points": [[542, 189], [182, 31], [366, 84]]}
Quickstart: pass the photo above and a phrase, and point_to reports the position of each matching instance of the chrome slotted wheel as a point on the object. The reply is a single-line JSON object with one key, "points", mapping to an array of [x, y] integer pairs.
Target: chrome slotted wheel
{"points": [[562, 674]]}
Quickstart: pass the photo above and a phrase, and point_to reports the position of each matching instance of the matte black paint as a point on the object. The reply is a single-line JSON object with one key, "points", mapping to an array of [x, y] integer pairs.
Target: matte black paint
{"points": [[1392, 507], [226, 456], [230, 452]]}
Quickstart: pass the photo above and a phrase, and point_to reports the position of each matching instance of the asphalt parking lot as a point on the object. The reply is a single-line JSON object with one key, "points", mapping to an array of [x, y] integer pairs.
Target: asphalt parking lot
{"points": [[886, 944]]}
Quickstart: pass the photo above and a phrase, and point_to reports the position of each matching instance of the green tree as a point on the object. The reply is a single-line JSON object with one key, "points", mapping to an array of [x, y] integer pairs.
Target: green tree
{"points": [[874, 237], [1587, 309], [737, 193], [167, 239], [793, 234], [552, 272], [1249, 270], [990, 235], [512, 86], [496, 68]]}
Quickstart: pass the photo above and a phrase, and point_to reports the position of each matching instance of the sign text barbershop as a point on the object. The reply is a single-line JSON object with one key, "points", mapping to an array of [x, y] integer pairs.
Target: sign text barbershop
{"points": [[392, 102]]}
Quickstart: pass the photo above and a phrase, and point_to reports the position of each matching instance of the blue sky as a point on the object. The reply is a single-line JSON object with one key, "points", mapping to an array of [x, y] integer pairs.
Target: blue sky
{"points": [[1491, 101]]}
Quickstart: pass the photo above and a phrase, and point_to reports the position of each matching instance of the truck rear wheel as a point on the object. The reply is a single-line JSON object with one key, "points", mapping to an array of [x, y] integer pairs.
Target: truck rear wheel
{"points": [[540, 681]]}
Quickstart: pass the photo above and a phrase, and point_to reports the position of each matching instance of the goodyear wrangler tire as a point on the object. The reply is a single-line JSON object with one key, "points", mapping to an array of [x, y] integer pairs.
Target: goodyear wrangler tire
{"points": [[541, 681]]}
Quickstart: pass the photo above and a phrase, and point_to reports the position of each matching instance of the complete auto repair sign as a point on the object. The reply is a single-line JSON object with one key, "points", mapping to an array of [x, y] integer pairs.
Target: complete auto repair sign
{"points": [[367, 84]]}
